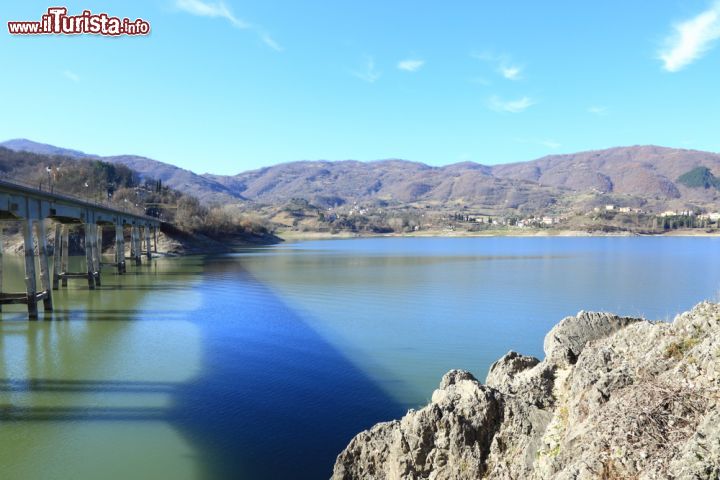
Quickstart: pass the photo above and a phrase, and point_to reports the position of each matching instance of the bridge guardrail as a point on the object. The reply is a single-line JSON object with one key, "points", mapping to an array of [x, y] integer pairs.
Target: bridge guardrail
{"points": [[71, 197]]}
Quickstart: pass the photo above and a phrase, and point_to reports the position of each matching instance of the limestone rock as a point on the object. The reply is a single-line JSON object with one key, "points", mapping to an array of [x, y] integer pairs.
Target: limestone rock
{"points": [[568, 338], [448, 439], [615, 397], [505, 369], [523, 376]]}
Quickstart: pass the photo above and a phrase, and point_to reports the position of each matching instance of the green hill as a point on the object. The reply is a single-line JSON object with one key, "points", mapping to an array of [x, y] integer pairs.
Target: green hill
{"points": [[699, 177]]}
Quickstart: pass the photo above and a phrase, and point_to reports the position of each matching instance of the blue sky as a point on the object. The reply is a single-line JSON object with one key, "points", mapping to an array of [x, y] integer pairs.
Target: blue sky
{"points": [[226, 86]]}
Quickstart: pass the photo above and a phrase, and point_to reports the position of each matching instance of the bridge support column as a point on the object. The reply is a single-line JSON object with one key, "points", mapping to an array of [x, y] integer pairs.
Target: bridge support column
{"points": [[44, 266], [155, 239], [132, 242], [30, 285], [89, 257], [57, 255], [97, 250], [122, 247], [65, 252], [147, 243], [119, 249], [136, 244]]}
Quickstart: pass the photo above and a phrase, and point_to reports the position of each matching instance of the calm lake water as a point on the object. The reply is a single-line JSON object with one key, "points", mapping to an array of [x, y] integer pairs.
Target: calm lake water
{"points": [[264, 364]]}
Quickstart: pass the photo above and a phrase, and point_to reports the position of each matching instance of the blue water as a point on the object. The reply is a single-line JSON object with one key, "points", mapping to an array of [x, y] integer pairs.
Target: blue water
{"points": [[264, 364]]}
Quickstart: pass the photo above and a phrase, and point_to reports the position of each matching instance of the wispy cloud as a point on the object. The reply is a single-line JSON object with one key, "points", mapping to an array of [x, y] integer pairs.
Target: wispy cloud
{"points": [[369, 73], [502, 64], [511, 72], [270, 42], [550, 144], [510, 106], [598, 110], [210, 9], [219, 9], [691, 39], [71, 76], [410, 65]]}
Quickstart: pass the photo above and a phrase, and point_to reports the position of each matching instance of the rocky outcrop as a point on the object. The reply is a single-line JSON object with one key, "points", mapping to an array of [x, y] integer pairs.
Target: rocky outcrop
{"points": [[568, 338], [614, 398]]}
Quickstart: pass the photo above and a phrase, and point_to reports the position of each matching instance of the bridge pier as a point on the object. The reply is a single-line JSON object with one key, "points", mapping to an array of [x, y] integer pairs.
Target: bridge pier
{"points": [[57, 254], [119, 249], [30, 285], [155, 239], [122, 247], [89, 258], [97, 251], [135, 232], [147, 242], [65, 253], [132, 242], [44, 266]]}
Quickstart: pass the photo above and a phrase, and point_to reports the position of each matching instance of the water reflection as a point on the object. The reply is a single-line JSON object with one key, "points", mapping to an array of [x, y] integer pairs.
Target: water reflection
{"points": [[89, 394], [214, 373]]}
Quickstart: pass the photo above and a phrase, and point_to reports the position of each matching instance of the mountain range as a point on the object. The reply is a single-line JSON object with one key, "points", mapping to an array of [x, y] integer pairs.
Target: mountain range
{"points": [[647, 176]]}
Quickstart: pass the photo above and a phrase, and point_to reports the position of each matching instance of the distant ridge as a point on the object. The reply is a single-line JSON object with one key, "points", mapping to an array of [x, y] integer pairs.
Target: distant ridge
{"points": [[24, 145], [185, 180], [643, 175]]}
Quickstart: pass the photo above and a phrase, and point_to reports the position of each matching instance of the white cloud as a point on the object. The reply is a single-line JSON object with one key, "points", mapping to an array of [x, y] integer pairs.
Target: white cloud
{"points": [[219, 9], [510, 106], [691, 39], [71, 76], [511, 72], [369, 74], [598, 110], [502, 65], [410, 65]]}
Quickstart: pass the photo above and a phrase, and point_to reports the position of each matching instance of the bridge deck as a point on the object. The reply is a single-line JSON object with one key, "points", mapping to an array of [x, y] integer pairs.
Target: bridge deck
{"points": [[15, 187]]}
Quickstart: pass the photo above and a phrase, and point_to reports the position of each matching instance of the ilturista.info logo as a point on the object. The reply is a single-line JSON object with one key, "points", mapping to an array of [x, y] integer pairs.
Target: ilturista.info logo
{"points": [[57, 22]]}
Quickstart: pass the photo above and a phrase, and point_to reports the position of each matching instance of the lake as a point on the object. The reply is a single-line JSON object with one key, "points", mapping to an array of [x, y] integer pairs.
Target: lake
{"points": [[265, 363]]}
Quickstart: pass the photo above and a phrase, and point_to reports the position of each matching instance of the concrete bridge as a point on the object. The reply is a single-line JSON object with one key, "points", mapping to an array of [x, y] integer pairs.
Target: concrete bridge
{"points": [[32, 207]]}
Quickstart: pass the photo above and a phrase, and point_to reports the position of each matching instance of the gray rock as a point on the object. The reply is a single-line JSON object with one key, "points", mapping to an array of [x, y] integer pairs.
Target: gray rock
{"points": [[454, 376], [504, 370], [567, 339], [525, 377], [448, 439], [614, 398]]}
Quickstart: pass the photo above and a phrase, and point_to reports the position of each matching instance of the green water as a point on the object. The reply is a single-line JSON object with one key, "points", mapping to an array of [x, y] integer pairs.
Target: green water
{"points": [[264, 364], [73, 383]]}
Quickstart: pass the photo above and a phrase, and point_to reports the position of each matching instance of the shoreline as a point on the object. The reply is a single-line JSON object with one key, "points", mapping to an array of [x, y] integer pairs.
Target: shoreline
{"points": [[185, 244], [290, 236]]}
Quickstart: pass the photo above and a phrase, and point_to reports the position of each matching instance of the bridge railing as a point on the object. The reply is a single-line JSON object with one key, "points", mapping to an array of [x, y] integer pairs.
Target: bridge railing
{"points": [[52, 190]]}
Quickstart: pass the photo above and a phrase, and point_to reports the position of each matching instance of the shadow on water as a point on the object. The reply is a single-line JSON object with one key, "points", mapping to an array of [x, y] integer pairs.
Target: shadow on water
{"points": [[272, 400], [275, 400]]}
